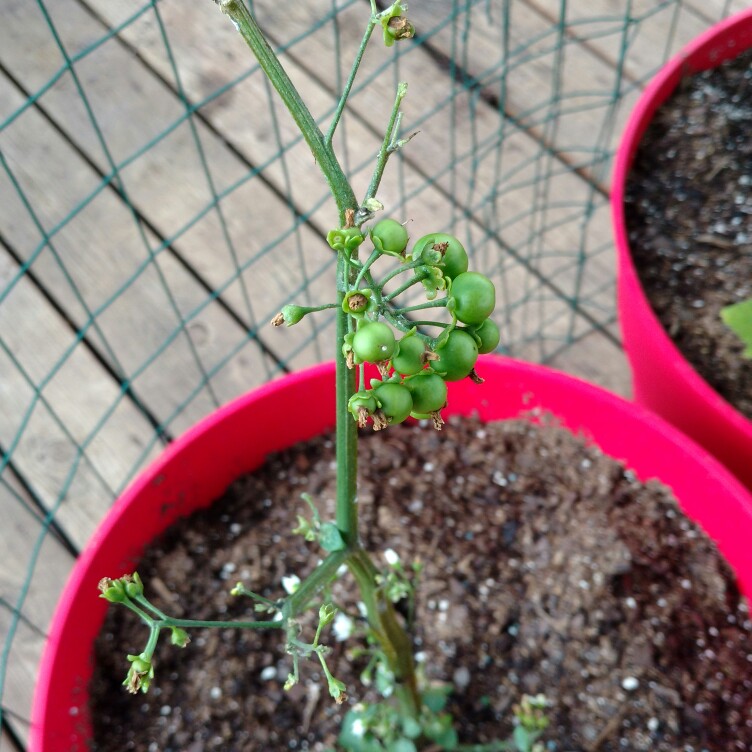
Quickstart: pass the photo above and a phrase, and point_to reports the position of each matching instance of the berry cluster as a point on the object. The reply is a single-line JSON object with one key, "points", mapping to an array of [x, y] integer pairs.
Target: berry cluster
{"points": [[415, 368]]}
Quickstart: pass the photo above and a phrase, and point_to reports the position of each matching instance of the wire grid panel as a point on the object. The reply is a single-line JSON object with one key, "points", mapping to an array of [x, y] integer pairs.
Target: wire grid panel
{"points": [[159, 207]]}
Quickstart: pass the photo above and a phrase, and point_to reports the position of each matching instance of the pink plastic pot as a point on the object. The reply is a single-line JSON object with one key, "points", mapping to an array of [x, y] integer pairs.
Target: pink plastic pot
{"points": [[663, 379], [198, 467]]}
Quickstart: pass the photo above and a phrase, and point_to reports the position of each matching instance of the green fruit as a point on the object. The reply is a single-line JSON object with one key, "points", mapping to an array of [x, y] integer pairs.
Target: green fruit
{"points": [[389, 236], [457, 356], [489, 336], [474, 297], [429, 392], [395, 401], [454, 256], [373, 342], [409, 357]]}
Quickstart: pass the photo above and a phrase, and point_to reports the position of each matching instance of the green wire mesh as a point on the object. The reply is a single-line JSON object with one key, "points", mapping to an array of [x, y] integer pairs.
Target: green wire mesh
{"points": [[158, 208]]}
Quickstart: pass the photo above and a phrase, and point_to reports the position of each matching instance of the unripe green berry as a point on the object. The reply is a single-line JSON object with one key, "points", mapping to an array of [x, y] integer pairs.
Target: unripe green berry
{"points": [[474, 297], [373, 342], [389, 236]]}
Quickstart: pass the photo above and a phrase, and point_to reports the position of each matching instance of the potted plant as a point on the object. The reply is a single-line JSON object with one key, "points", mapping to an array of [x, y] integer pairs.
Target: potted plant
{"points": [[380, 380], [664, 379], [195, 470]]}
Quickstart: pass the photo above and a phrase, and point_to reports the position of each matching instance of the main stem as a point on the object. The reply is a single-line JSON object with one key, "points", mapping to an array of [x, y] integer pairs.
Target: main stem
{"points": [[381, 614]]}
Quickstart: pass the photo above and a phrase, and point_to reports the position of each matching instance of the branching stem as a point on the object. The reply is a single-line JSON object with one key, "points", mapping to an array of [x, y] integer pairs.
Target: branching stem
{"points": [[422, 306], [351, 78], [405, 286], [270, 64], [388, 144]]}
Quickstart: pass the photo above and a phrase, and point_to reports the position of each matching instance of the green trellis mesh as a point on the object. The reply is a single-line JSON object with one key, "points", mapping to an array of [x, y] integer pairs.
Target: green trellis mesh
{"points": [[158, 208]]}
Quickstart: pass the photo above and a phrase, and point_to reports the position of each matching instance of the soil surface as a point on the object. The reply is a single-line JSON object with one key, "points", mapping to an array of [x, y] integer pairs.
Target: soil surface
{"points": [[548, 568], [689, 218]]}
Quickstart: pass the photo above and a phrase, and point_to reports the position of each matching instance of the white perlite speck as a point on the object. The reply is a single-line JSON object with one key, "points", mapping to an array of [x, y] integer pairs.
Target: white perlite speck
{"points": [[342, 627], [269, 673], [461, 677], [630, 683], [291, 583], [392, 557]]}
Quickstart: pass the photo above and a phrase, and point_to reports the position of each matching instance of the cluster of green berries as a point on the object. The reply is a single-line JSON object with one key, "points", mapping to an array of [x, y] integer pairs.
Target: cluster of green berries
{"points": [[414, 369]]}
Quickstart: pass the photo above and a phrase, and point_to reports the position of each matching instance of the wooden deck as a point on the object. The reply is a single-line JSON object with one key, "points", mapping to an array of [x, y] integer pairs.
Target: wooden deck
{"points": [[157, 207]]}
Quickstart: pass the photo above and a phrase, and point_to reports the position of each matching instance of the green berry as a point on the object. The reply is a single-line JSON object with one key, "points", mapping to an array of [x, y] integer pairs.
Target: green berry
{"points": [[408, 358], [457, 356], [373, 342], [489, 336], [389, 236], [474, 297]]}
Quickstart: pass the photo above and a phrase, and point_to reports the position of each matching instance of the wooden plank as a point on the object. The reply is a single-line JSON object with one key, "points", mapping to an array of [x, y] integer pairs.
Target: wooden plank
{"points": [[599, 361], [169, 186], [714, 10], [6, 742], [139, 300], [656, 31], [63, 419], [32, 574], [195, 42], [22, 667]]}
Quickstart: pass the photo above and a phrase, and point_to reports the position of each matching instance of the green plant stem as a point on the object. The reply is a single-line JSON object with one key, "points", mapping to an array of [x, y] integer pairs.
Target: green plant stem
{"points": [[146, 604], [422, 306], [388, 145], [442, 324], [393, 638], [383, 621], [350, 80], [196, 624], [256, 597], [311, 585], [399, 270], [151, 644], [405, 286], [322, 152], [144, 616], [344, 196], [366, 266], [346, 442]]}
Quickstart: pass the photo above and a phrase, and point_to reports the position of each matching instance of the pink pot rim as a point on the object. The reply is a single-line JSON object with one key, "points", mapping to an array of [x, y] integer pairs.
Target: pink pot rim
{"points": [[700, 54], [622, 429]]}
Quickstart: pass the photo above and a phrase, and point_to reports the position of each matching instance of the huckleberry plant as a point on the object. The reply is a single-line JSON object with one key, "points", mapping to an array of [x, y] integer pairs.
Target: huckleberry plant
{"points": [[391, 364]]}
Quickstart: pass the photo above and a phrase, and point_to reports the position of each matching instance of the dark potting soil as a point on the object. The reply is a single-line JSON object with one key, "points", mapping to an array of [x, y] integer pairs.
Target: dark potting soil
{"points": [[548, 568], [689, 218]]}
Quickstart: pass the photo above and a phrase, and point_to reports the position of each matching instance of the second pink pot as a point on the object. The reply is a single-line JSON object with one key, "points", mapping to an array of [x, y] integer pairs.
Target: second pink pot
{"points": [[663, 379]]}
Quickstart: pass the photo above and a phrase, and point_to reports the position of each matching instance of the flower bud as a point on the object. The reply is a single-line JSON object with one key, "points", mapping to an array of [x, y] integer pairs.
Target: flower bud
{"points": [[179, 637], [292, 314], [112, 590], [134, 588], [139, 674]]}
